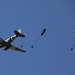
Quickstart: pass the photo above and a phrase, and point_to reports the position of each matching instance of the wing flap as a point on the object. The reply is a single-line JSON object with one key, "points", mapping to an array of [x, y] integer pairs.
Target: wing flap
{"points": [[17, 49]]}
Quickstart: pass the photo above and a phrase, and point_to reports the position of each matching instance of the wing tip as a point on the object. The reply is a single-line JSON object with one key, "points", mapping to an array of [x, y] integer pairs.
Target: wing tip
{"points": [[24, 51]]}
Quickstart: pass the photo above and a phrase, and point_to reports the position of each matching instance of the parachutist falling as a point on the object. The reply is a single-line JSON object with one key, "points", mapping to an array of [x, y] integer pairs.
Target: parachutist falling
{"points": [[71, 49], [32, 46], [21, 46]]}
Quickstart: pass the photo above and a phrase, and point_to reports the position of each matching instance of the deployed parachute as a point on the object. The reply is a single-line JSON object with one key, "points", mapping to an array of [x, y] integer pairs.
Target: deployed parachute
{"points": [[73, 44], [42, 33], [72, 47], [44, 30]]}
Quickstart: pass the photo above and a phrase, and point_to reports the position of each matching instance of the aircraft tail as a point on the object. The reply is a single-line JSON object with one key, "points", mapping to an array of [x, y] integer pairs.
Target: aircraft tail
{"points": [[18, 33], [19, 30]]}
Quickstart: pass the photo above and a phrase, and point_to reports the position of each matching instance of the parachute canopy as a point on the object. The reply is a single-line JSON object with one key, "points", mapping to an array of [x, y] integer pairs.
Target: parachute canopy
{"points": [[44, 30]]}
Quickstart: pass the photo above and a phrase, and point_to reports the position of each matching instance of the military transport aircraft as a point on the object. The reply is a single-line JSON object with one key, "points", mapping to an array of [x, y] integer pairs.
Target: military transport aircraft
{"points": [[7, 43]]}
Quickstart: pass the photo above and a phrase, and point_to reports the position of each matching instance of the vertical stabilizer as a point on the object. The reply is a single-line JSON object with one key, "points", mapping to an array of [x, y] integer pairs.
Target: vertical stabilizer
{"points": [[19, 30]]}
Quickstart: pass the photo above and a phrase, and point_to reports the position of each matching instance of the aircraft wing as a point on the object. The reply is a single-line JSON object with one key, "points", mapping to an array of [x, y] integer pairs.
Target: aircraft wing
{"points": [[17, 49]]}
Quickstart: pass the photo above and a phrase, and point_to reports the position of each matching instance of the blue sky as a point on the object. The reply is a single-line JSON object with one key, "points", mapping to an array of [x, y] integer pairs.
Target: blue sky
{"points": [[51, 55]]}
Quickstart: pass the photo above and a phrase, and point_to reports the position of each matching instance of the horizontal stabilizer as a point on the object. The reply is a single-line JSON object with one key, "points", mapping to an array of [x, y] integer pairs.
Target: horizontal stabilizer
{"points": [[18, 33], [21, 35]]}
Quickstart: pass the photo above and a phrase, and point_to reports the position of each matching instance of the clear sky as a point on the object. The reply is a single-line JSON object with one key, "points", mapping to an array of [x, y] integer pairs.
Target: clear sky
{"points": [[51, 55]]}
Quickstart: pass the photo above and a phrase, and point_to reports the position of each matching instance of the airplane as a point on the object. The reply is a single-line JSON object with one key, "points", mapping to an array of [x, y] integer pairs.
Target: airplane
{"points": [[7, 43]]}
